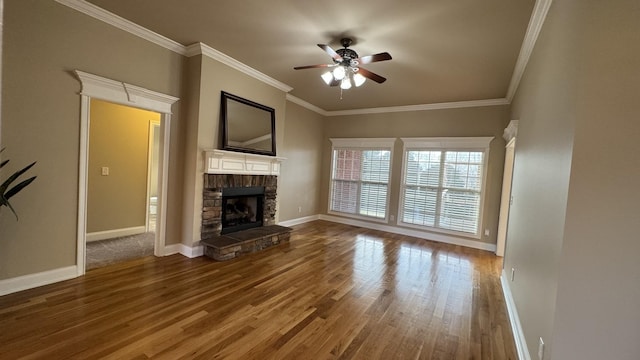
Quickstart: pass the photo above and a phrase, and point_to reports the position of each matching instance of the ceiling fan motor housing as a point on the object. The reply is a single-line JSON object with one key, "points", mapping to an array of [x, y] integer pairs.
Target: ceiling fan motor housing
{"points": [[348, 57]]}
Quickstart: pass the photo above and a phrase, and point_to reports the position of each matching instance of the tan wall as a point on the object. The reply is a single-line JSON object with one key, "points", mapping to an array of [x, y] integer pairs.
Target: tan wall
{"points": [[572, 229], [541, 177], [119, 140], [598, 303], [480, 121], [299, 183], [211, 78], [43, 43]]}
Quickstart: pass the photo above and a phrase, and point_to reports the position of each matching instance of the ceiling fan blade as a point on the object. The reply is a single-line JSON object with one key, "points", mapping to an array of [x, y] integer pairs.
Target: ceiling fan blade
{"points": [[373, 58], [331, 52], [313, 66], [373, 76]]}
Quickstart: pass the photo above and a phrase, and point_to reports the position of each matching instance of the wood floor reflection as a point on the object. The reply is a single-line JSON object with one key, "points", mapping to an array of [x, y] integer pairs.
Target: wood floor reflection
{"points": [[334, 292]]}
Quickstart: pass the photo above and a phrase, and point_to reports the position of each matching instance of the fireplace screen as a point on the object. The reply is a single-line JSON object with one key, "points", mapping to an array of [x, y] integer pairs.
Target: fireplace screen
{"points": [[242, 208]]}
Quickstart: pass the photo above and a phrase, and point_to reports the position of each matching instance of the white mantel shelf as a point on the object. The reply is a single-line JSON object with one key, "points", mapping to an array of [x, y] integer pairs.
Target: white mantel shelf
{"points": [[231, 162]]}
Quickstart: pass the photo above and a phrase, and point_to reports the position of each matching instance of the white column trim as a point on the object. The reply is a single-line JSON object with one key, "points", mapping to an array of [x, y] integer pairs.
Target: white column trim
{"points": [[511, 131], [83, 176]]}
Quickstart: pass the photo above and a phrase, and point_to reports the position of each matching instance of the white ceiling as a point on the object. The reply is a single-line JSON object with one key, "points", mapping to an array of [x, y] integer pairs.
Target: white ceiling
{"points": [[443, 50]]}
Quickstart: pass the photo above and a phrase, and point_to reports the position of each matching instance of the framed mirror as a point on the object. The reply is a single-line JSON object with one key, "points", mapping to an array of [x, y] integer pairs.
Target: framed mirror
{"points": [[247, 126]]}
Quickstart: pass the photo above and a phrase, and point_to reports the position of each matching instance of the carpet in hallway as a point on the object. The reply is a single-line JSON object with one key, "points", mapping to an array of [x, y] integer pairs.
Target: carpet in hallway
{"points": [[111, 251]]}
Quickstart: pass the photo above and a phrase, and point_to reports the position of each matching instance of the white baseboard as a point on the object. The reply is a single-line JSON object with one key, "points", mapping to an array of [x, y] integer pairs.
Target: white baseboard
{"points": [[190, 252], [25, 282], [411, 232], [299, 221], [110, 234], [514, 319]]}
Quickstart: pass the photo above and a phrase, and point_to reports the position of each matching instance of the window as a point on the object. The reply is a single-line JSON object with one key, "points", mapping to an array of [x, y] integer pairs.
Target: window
{"points": [[360, 177], [443, 183]]}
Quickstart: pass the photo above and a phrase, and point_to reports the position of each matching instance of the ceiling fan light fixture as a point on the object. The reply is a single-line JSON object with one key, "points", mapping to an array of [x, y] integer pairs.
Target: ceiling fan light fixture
{"points": [[358, 79], [345, 71], [339, 72], [345, 84], [327, 77]]}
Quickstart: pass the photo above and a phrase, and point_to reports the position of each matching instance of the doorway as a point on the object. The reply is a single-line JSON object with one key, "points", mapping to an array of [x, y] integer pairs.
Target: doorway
{"points": [[98, 88], [122, 178]]}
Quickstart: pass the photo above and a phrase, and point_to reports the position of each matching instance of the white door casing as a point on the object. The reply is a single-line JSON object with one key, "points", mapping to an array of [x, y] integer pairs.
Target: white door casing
{"points": [[96, 87], [509, 135]]}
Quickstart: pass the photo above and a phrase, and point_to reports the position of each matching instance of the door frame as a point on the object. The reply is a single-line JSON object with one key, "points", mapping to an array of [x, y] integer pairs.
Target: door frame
{"points": [[97, 87], [153, 128], [510, 134]]}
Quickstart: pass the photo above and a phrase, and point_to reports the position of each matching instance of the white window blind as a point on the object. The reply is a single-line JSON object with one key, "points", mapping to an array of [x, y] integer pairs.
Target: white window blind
{"points": [[442, 188], [360, 181]]}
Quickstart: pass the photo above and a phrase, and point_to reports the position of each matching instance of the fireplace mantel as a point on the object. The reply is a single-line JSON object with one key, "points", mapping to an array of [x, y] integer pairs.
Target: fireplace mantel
{"points": [[231, 162]]}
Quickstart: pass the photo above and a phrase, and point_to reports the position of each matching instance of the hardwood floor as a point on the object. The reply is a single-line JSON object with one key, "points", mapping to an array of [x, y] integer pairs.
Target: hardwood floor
{"points": [[334, 292]]}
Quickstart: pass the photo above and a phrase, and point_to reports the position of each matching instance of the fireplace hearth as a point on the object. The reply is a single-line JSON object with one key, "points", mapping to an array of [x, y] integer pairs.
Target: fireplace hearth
{"points": [[238, 215]]}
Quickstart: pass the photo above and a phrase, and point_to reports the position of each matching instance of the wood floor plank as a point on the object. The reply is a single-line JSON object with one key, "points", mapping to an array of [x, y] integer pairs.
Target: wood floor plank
{"points": [[333, 292]]}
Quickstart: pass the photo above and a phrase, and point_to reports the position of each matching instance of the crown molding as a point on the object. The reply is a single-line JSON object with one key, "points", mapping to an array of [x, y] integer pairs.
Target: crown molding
{"points": [[123, 24], [205, 50], [538, 16], [422, 107], [540, 11], [306, 105], [392, 109]]}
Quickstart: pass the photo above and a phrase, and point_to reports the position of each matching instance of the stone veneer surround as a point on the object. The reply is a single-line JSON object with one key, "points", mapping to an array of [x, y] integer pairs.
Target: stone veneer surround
{"points": [[212, 199]]}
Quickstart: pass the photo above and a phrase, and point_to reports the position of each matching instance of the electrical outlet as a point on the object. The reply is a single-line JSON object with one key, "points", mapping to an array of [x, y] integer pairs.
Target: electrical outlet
{"points": [[541, 349], [486, 232], [299, 209], [513, 273], [105, 171], [392, 217]]}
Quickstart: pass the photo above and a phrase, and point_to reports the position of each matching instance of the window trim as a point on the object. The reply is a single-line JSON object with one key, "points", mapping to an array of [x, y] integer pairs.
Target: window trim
{"points": [[446, 144], [361, 144]]}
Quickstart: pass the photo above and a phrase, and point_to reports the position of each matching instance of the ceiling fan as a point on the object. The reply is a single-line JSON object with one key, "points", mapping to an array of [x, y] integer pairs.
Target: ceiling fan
{"points": [[346, 70]]}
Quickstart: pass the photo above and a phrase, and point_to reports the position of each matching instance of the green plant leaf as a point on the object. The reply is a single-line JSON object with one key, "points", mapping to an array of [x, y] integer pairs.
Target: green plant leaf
{"points": [[12, 178], [14, 190], [5, 202]]}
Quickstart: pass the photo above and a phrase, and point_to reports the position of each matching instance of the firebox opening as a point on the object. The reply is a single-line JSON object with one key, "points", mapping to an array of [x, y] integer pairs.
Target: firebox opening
{"points": [[242, 208]]}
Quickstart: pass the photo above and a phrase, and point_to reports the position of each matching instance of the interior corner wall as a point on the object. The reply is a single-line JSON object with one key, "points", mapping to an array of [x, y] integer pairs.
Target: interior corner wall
{"points": [[462, 122], [598, 298], [204, 128], [118, 140], [543, 104], [299, 185], [44, 42]]}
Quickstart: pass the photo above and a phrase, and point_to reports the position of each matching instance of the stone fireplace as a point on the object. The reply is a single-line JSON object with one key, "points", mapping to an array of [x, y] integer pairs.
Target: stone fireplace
{"points": [[239, 188], [239, 204]]}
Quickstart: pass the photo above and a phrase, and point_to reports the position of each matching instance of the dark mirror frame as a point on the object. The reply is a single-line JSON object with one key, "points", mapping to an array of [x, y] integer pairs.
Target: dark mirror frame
{"points": [[224, 117]]}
